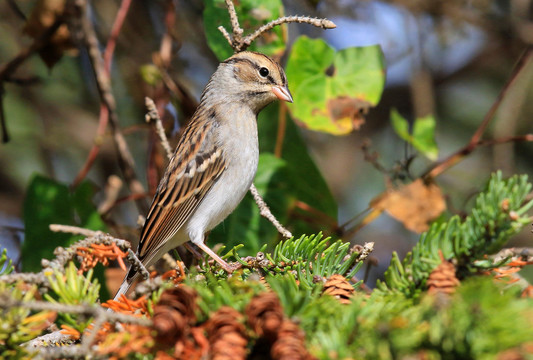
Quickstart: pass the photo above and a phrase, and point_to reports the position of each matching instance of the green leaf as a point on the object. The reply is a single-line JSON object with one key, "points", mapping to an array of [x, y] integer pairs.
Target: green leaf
{"points": [[400, 125], [423, 137], [331, 88], [252, 14], [306, 181], [47, 202], [50, 202]]}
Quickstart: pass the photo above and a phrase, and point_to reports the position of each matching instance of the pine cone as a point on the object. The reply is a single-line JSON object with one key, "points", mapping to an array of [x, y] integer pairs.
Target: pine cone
{"points": [[226, 335], [290, 344], [265, 315], [337, 286], [442, 278], [173, 314]]}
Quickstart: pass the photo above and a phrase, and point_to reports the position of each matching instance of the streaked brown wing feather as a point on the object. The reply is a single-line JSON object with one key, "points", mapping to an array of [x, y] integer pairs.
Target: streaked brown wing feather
{"points": [[194, 168]]}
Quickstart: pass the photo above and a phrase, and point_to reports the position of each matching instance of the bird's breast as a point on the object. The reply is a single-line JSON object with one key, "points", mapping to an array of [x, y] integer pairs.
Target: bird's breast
{"points": [[238, 140]]}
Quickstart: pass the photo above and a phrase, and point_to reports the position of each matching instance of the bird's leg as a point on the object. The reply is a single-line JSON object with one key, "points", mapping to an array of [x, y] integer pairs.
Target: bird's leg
{"points": [[229, 268], [193, 250]]}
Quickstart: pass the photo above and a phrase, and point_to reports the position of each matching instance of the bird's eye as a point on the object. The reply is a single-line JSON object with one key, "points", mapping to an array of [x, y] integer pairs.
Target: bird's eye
{"points": [[263, 72]]}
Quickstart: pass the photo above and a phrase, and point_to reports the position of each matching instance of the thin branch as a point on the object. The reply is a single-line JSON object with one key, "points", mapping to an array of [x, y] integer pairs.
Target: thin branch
{"points": [[234, 19], [321, 23], [365, 251], [103, 82], [438, 167], [64, 255], [226, 35], [137, 264], [238, 43], [153, 115], [13, 5], [87, 309], [266, 213], [100, 314], [104, 113]]}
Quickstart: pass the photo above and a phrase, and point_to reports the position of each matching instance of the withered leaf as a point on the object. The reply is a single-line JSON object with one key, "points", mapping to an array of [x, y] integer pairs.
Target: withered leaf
{"points": [[415, 205], [44, 14]]}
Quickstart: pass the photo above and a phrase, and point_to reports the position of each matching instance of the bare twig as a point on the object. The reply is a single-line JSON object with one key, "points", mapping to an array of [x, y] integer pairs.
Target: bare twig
{"points": [[153, 115], [100, 314], [72, 230], [321, 23], [104, 113], [225, 33], [14, 6], [365, 251], [86, 30], [64, 255], [86, 309], [438, 167], [137, 263], [265, 212], [237, 31], [238, 43], [522, 253], [29, 278]]}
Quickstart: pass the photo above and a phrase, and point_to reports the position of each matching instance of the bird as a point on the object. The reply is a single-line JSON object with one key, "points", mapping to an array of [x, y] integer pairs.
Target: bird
{"points": [[215, 160]]}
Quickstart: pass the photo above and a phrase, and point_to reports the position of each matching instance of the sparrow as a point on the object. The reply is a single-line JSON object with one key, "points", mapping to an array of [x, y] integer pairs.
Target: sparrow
{"points": [[215, 161]]}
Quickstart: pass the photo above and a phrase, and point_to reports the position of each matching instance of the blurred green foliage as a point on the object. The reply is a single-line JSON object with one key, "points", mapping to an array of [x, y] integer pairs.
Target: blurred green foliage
{"points": [[422, 136], [51, 202]]}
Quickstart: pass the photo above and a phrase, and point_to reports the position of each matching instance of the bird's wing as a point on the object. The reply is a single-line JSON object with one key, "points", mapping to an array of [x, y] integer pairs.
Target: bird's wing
{"points": [[196, 165]]}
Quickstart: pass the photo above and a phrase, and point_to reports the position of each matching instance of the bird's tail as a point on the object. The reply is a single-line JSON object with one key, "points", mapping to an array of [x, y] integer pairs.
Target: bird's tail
{"points": [[128, 281]]}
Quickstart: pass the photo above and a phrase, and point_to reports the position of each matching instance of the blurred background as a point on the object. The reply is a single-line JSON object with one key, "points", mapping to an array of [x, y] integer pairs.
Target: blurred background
{"points": [[447, 59]]}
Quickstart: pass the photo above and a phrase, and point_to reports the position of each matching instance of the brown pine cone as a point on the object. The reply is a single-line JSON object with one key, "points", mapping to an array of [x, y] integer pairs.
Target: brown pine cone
{"points": [[290, 344], [226, 335], [442, 278], [173, 314], [337, 286], [265, 315]]}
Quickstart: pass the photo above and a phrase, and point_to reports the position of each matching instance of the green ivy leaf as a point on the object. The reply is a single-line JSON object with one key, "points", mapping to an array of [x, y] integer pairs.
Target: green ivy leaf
{"points": [[330, 88], [252, 14], [423, 137]]}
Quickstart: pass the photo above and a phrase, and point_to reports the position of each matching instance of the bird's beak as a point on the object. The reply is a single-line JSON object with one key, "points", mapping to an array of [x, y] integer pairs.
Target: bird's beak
{"points": [[282, 93]]}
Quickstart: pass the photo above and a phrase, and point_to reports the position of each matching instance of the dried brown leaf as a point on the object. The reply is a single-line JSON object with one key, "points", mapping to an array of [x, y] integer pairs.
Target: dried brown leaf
{"points": [[415, 205]]}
